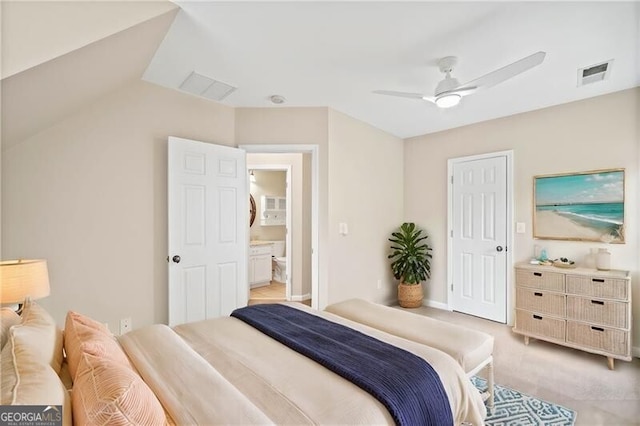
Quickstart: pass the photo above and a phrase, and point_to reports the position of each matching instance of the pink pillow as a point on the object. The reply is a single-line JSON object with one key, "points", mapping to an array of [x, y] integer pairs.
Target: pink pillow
{"points": [[85, 335], [106, 392]]}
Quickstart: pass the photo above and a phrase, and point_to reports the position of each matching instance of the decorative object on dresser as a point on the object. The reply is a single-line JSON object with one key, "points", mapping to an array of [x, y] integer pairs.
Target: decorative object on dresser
{"points": [[563, 262], [603, 260], [581, 308]]}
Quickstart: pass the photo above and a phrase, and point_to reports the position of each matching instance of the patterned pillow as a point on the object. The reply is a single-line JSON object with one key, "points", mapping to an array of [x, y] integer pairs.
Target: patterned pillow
{"points": [[8, 318], [107, 392], [38, 334], [85, 335]]}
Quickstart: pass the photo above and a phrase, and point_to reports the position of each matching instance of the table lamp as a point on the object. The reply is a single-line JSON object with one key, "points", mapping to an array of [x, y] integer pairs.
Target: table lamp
{"points": [[23, 278]]}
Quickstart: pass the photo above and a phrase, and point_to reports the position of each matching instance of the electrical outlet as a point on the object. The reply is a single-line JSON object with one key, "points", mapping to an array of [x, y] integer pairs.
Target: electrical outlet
{"points": [[125, 325], [379, 284]]}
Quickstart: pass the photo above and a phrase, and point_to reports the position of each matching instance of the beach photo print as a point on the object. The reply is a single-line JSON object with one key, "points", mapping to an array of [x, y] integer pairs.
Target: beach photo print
{"points": [[584, 206]]}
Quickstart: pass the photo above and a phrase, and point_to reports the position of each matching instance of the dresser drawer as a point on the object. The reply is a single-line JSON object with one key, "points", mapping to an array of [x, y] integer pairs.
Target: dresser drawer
{"points": [[605, 312], [540, 325], [610, 288], [543, 280], [540, 301], [600, 338]]}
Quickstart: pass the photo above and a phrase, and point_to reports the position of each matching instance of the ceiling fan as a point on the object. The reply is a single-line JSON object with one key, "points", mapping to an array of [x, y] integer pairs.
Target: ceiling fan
{"points": [[449, 91]]}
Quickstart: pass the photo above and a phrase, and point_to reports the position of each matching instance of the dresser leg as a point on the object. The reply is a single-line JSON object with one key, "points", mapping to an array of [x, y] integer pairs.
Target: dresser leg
{"points": [[526, 340], [610, 362]]}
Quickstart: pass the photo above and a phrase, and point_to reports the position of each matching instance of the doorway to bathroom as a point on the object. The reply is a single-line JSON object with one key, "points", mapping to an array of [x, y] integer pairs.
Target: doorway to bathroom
{"points": [[281, 186], [270, 233]]}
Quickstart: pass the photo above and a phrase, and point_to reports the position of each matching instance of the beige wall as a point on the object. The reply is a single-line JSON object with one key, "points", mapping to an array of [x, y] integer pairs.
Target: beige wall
{"points": [[365, 187], [89, 194], [34, 32], [358, 167], [596, 133], [294, 126], [273, 183]]}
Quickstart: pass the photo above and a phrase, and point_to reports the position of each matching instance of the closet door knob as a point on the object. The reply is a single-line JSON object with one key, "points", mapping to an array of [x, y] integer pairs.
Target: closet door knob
{"points": [[499, 248], [176, 259]]}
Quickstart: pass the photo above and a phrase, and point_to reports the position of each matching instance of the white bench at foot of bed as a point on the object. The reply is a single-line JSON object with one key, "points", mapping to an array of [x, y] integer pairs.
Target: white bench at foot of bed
{"points": [[472, 349]]}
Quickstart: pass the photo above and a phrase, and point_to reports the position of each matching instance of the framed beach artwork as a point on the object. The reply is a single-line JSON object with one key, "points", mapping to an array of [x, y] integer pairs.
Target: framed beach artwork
{"points": [[584, 206]]}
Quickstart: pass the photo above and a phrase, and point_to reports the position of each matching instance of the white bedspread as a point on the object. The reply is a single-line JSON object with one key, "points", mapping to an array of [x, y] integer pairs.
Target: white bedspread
{"points": [[224, 371]]}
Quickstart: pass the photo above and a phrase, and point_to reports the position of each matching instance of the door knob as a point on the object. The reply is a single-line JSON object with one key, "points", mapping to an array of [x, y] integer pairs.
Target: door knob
{"points": [[176, 259], [499, 249]]}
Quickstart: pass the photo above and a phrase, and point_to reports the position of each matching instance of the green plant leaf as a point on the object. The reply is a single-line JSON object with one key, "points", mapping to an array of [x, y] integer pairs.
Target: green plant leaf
{"points": [[410, 254]]}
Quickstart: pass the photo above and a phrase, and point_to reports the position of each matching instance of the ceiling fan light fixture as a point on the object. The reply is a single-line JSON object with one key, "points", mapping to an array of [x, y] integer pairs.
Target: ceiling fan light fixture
{"points": [[448, 100]]}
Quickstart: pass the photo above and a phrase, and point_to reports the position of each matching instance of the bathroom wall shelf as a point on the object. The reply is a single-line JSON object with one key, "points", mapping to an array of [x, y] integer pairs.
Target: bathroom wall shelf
{"points": [[273, 211]]}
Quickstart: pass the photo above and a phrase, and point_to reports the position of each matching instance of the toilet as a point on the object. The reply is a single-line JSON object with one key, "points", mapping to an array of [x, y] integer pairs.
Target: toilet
{"points": [[279, 261]]}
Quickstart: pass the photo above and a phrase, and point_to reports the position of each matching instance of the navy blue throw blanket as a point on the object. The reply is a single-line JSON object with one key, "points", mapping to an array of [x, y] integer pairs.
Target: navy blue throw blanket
{"points": [[404, 383]]}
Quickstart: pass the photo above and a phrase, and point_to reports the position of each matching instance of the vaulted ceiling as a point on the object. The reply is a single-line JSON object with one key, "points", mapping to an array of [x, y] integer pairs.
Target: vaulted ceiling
{"points": [[336, 53], [316, 54]]}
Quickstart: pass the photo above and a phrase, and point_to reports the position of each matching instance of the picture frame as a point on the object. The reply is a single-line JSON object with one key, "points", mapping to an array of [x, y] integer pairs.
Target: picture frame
{"points": [[581, 206]]}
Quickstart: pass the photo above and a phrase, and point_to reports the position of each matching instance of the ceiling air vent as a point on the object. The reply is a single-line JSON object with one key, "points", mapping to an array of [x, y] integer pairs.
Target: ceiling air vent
{"points": [[594, 73], [204, 86]]}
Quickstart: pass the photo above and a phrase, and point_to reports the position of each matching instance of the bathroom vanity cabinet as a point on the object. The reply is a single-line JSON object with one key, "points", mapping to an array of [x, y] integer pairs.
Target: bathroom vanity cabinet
{"points": [[260, 265]]}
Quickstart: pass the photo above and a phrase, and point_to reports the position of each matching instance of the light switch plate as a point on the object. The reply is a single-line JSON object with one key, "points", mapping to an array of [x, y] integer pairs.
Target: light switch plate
{"points": [[520, 227]]}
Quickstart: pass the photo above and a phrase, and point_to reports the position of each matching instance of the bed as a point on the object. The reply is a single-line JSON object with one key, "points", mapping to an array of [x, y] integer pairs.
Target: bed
{"points": [[218, 371]]}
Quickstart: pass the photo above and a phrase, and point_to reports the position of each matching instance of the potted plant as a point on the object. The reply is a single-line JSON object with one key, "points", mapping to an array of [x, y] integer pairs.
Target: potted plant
{"points": [[410, 263]]}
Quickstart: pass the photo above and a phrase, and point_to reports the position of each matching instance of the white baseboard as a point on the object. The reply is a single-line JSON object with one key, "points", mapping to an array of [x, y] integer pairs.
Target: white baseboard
{"points": [[434, 304], [635, 351], [301, 298]]}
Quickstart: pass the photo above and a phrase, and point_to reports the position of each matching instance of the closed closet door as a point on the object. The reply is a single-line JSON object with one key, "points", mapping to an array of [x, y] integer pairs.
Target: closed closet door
{"points": [[479, 237]]}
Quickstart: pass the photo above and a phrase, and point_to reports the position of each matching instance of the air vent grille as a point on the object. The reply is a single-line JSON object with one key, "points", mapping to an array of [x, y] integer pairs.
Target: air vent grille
{"points": [[206, 87], [594, 73]]}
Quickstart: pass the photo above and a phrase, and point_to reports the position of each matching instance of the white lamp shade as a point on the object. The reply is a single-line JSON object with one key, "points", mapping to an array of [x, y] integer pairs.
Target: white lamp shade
{"points": [[20, 279]]}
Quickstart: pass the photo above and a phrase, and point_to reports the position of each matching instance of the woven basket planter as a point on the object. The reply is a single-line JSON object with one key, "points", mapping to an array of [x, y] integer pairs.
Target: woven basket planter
{"points": [[410, 296]]}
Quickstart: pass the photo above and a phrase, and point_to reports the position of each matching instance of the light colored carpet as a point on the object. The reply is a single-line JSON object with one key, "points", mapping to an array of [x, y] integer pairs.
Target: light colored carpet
{"points": [[577, 380]]}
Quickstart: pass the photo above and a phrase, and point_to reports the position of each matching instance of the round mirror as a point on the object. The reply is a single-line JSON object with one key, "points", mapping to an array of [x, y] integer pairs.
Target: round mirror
{"points": [[252, 210]]}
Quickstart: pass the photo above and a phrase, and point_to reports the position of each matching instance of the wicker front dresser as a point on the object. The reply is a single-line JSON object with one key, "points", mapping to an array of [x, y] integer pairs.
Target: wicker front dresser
{"points": [[582, 308]]}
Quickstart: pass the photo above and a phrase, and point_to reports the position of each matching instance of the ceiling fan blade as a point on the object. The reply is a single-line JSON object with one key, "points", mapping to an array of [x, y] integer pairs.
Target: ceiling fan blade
{"points": [[462, 91], [401, 94], [506, 72]]}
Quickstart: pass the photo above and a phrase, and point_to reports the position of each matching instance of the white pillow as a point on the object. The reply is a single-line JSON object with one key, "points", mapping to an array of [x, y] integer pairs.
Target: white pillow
{"points": [[25, 380], [8, 318], [39, 335]]}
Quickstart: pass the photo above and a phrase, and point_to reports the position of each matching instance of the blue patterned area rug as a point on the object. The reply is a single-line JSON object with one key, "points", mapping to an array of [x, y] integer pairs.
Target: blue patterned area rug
{"points": [[515, 408]]}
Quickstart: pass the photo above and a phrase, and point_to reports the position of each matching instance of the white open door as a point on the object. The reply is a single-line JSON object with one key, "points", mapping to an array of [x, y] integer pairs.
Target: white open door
{"points": [[208, 225], [479, 237]]}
